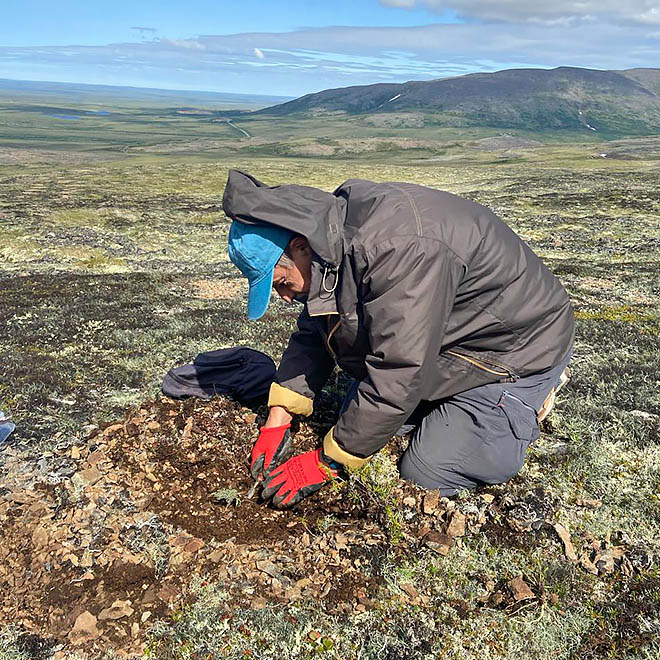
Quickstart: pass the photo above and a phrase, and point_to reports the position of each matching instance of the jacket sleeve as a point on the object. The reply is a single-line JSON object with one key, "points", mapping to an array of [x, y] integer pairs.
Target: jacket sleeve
{"points": [[304, 369], [409, 289]]}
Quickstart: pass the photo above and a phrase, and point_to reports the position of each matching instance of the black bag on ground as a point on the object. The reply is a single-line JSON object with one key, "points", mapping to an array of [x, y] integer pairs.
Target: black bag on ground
{"points": [[240, 372]]}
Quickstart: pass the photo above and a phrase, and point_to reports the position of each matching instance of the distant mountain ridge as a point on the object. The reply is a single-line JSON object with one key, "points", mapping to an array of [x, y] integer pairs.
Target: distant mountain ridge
{"points": [[612, 102], [21, 90]]}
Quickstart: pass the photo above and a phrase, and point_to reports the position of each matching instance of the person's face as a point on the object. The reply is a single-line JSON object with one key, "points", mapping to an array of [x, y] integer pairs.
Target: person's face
{"points": [[294, 280]]}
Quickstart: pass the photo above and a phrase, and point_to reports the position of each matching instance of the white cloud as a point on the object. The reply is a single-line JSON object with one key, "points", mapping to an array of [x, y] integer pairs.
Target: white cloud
{"points": [[308, 60], [555, 12], [405, 4], [188, 44]]}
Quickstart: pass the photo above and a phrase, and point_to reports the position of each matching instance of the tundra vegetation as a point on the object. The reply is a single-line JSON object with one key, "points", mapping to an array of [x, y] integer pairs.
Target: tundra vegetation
{"points": [[125, 526]]}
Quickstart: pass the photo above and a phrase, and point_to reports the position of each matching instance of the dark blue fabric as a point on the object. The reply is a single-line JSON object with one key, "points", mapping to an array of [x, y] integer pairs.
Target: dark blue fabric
{"points": [[239, 372]]}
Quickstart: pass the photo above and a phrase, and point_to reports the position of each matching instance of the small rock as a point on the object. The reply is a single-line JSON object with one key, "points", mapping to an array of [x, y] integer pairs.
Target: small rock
{"points": [[109, 431], [180, 539], [438, 542], [456, 525], [341, 541], [90, 476], [135, 629], [590, 504], [40, 537], [75, 453], [292, 594], [269, 568], [520, 589], [430, 504], [118, 609], [258, 603], [488, 498], [250, 418], [149, 595], [96, 457], [565, 537], [588, 565], [90, 430], [193, 546], [166, 593], [145, 615], [215, 556], [410, 501], [410, 590], [605, 561], [84, 629]]}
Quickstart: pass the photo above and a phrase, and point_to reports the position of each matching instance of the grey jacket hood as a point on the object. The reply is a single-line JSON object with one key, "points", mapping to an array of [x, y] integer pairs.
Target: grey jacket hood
{"points": [[315, 214]]}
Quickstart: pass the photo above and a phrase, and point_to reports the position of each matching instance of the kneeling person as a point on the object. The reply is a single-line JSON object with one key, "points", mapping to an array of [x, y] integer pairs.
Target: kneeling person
{"points": [[450, 325]]}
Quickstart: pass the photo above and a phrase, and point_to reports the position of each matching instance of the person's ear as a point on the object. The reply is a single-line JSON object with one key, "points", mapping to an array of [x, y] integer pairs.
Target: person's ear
{"points": [[301, 245]]}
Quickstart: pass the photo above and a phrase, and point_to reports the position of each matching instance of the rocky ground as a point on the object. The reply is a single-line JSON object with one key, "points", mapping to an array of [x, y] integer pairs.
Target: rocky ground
{"points": [[95, 551]]}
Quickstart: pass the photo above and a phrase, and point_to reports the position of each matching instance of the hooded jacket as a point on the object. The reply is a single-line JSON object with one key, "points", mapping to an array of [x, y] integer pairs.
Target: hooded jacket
{"points": [[417, 293]]}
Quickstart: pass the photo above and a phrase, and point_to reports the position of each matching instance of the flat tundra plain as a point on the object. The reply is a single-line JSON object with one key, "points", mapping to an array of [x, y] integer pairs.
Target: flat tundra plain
{"points": [[125, 531]]}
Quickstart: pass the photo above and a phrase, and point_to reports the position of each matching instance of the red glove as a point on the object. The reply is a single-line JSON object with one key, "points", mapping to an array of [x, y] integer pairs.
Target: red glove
{"points": [[273, 446], [299, 477]]}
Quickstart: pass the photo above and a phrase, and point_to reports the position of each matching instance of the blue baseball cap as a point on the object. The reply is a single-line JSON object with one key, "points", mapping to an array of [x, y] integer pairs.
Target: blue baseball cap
{"points": [[255, 249]]}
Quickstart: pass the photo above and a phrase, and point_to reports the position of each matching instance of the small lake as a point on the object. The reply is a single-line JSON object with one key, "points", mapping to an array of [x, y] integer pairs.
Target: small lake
{"points": [[82, 115]]}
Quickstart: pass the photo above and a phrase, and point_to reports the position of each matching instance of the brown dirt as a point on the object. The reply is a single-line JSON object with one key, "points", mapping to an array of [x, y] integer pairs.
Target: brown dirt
{"points": [[139, 518]]}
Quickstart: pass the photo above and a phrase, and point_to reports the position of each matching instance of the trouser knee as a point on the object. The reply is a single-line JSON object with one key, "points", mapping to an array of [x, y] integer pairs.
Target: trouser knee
{"points": [[445, 481]]}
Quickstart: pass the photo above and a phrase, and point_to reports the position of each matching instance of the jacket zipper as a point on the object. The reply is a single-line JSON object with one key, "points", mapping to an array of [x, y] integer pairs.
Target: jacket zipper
{"points": [[481, 365]]}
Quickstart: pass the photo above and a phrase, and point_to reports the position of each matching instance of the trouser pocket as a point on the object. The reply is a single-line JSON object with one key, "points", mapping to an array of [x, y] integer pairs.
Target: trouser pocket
{"points": [[521, 417]]}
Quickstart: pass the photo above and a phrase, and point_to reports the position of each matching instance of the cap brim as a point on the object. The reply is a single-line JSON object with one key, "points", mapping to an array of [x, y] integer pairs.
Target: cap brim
{"points": [[259, 297]]}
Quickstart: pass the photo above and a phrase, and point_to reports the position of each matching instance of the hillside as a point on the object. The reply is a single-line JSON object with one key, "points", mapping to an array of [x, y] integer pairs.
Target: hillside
{"points": [[610, 102], [649, 78]]}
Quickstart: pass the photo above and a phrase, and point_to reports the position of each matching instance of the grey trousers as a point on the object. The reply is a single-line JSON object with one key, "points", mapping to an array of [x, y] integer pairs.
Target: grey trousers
{"points": [[477, 437]]}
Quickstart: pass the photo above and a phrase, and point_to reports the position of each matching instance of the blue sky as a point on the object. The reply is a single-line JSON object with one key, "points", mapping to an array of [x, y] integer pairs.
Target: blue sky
{"points": [[296, 47]]}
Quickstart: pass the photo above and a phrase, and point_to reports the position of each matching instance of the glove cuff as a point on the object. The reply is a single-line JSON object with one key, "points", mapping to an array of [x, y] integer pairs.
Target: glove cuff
{"points": [[335, 453], [294, 403]]}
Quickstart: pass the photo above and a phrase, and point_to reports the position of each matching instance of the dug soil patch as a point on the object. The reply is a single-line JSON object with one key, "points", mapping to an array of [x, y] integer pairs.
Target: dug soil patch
{"points": [[94, 558]]}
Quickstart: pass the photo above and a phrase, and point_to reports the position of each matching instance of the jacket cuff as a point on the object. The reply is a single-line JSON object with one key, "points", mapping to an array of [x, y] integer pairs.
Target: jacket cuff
{"points": [[332, 450], [295, 403]]}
